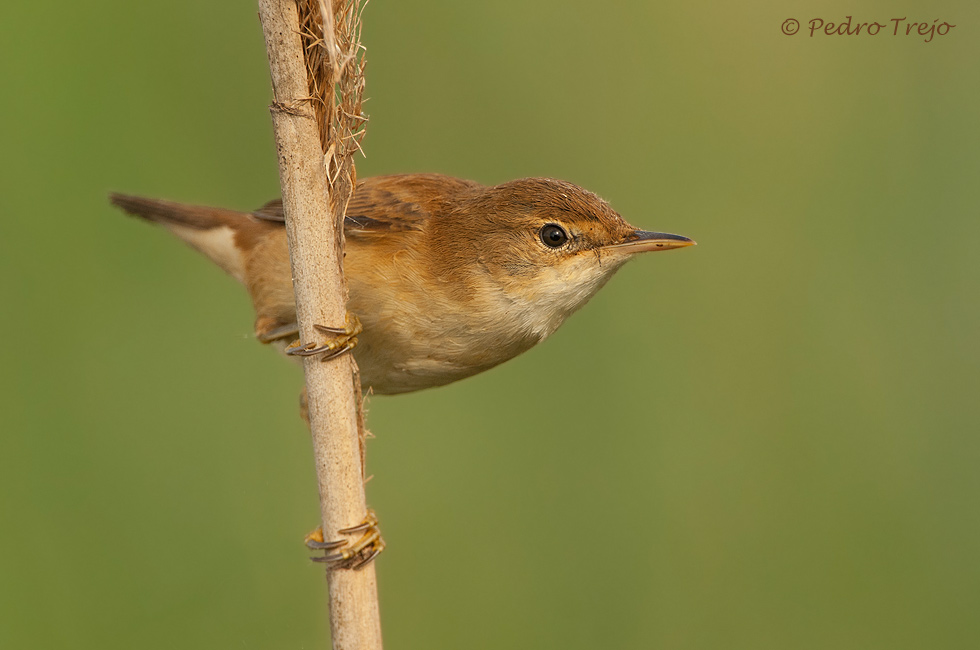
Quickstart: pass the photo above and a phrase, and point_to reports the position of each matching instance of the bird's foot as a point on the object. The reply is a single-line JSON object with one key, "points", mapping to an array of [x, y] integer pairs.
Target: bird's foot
{"points": [[342, 554], [338, 341]]}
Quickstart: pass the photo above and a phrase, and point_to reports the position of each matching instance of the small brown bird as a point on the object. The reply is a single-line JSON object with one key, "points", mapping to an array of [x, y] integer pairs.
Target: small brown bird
{"points": [[448, 277]]}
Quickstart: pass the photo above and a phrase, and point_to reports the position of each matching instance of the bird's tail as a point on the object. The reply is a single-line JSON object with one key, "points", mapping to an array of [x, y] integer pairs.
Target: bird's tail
{"points": [[213, 231]]}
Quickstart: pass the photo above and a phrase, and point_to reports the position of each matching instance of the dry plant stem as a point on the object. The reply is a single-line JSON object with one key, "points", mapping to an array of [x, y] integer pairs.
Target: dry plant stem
{"points": [[315, 252]]}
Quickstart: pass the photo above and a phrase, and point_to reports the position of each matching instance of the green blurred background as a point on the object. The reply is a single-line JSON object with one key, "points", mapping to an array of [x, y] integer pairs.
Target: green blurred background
{"points": [[769, 441]]}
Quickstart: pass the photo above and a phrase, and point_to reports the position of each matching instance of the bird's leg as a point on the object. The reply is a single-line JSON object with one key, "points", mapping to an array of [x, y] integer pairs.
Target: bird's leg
{"points": [[338, 341], [342, 554]]}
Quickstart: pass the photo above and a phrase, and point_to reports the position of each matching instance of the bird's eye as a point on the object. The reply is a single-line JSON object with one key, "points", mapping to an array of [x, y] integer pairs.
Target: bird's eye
{"points": [[553, 236]]}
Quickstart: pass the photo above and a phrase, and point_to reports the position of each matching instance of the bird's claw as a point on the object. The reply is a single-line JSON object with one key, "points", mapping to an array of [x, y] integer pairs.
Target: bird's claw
{"points": [[347, 555], [339, 341]]}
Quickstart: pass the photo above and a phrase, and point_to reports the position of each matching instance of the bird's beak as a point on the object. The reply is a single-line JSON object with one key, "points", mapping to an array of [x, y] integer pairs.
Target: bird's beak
{"points": [[641, 241]]}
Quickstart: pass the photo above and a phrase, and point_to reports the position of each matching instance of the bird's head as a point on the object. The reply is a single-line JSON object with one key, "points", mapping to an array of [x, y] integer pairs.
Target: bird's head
{"points": [[547, 244]]}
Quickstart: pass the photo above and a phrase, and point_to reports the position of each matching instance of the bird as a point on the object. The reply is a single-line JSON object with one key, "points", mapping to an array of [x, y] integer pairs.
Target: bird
{"points": [[447, 277]]}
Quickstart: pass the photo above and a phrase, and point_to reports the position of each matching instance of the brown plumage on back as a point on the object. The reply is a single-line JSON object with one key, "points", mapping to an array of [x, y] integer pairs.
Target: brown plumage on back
{"points": [[449, 277]]}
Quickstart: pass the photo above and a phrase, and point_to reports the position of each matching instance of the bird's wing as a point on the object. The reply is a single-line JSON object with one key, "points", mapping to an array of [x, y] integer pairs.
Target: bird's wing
{"points": [[386, 204], [379, 213]]}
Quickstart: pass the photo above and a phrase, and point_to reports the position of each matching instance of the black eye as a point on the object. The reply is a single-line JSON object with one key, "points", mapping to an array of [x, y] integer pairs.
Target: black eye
{"points": [[553, 236]]}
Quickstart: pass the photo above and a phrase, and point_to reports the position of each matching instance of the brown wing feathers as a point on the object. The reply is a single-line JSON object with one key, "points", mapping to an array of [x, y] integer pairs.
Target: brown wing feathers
{"points": [[380, 205]]}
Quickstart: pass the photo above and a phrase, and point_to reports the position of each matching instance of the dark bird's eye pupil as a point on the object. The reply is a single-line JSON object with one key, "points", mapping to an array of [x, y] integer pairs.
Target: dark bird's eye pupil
{"points": [[553, 236]]}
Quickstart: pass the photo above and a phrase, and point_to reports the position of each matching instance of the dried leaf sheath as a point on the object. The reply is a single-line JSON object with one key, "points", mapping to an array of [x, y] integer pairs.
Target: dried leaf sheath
{"points": [[335, 71]]}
